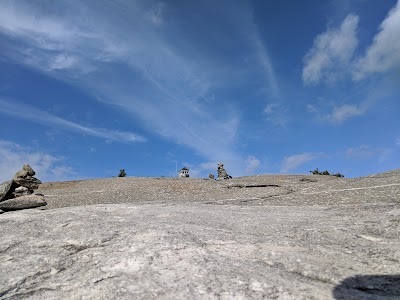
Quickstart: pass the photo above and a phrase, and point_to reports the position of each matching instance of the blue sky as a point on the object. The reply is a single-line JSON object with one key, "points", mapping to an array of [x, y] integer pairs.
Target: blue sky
{"points": [[266, 87]]}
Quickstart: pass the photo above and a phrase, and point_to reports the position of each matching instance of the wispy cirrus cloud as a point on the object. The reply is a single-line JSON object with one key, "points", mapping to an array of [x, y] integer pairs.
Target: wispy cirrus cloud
{"points": [[252, 164], [367, 152], [383, 54], [274, 110], [157, 84], [133, 56], [362, 152], [47, 167], [276, 114], [331, 52], [266, 64], [155, 14], [291, 163], [41, 117]]}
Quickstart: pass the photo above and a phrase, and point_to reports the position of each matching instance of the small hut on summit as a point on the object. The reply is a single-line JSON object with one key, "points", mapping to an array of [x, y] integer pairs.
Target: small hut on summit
{"points": [[184, 172]]}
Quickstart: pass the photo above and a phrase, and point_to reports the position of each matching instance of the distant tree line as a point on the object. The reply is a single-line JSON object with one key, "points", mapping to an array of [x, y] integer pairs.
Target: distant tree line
{"points": [[317, 172]]}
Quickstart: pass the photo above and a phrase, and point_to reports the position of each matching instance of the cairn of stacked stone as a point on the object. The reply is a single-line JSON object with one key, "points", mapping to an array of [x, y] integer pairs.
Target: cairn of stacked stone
{"points": [[18, 193], [222, 174], [211, 176]]}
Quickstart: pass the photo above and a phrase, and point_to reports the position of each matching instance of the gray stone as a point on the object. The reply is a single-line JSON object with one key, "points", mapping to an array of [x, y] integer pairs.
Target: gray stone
{"points": [[23, 202], [211, 176], [26, 172], [28, 169], [280, 239], [14, 194], [25, 178], [31, 183], [5, 188], [1, 211], [222, 174], [21, 174], [21, 191]]}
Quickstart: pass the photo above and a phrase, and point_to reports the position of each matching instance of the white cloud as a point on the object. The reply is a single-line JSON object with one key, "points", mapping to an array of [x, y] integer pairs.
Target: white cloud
{"points": [[366, 152], [398, 141], [34, 115], [361, 152], [42, 31], [250, 30], [385, 154], [51, 44], [276, 114], [209, 166], [331, 52], [252, 163], [291, 163], [344, 112], [63, 61], [47, 167], [384, 53], [312, 108], [155, 14], [86, 46], [266, 64]]}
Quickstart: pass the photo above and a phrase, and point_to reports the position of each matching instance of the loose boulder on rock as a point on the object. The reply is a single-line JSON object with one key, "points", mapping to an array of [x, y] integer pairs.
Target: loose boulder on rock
{"points": [[23, 202], [21, 191], [25, 178], [30, 183], [26, 171], [18, 193]]}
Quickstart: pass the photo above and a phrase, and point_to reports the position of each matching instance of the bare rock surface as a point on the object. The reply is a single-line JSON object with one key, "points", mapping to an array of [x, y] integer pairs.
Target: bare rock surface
{"points": [[259, 237]]}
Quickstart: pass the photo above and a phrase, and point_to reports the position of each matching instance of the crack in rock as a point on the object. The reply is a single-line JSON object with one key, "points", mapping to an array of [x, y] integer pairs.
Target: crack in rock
{"points": [[251, 185]]}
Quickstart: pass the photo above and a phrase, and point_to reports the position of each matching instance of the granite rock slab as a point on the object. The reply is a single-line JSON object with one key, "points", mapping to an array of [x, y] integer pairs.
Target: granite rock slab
{"points": [[283, 238]]}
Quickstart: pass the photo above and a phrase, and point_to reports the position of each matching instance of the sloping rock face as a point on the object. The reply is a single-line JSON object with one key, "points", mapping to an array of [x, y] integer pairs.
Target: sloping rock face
{"points": [[283, 238]]}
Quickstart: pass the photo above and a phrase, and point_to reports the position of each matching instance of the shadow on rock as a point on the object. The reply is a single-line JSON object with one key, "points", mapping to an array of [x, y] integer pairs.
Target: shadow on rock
{"points": [[369, 287]]}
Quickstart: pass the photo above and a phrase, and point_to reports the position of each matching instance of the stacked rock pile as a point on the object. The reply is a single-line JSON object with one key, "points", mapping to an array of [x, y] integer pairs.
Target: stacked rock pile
{"points": [[222, 174], [18, 193]]}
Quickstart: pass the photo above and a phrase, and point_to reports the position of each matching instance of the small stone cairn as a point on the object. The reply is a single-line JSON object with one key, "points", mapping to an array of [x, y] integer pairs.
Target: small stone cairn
{"points": [[18, 193], [211, 176], [222, 174]]}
